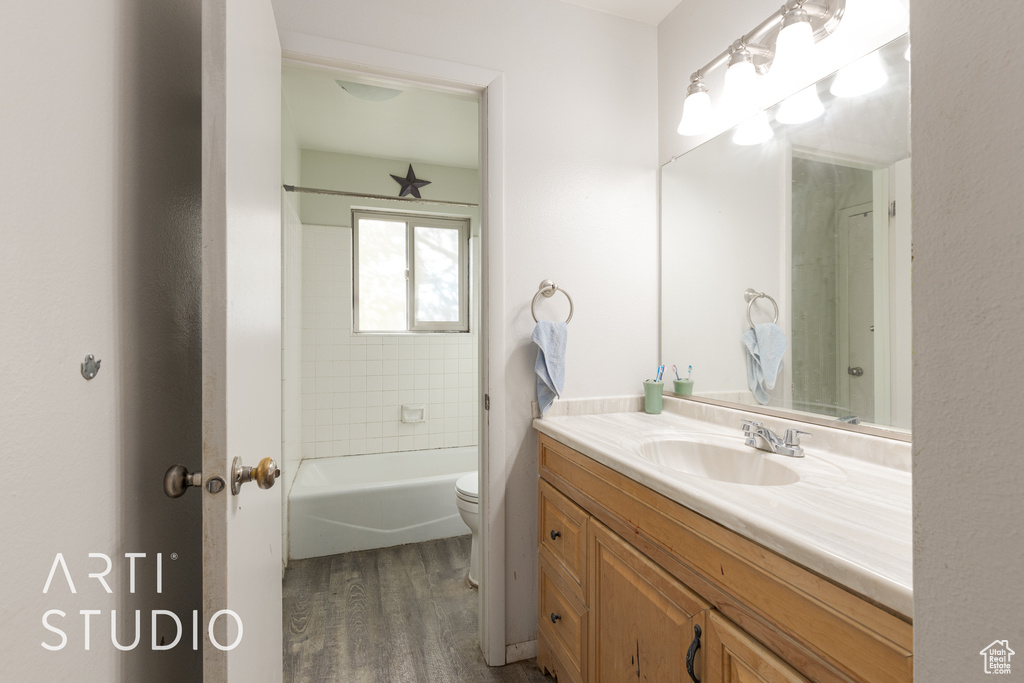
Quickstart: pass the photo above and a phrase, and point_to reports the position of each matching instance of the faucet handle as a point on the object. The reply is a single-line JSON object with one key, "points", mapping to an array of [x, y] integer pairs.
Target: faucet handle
{"points": [[750, 425], [792, 437]]}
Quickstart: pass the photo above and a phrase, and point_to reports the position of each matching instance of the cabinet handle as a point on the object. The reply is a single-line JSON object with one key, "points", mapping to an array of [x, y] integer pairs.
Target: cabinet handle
{"points": [[555, 534], [555, 617], [692, 652]]}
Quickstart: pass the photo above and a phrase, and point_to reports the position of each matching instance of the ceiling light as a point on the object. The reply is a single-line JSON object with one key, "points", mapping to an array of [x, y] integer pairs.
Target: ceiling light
{"points": [[801, 107], [370, 93], [753, 131], [741, 96], [861, 77], [697, 115]]}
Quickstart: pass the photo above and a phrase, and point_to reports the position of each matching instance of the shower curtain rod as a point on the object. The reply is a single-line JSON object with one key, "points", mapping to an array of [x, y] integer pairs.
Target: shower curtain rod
{"points": [[360, 195]]}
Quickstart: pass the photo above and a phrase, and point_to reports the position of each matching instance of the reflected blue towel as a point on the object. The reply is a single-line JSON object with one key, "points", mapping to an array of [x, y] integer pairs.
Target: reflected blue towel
{"points": [[550, 338], [766, 344]]}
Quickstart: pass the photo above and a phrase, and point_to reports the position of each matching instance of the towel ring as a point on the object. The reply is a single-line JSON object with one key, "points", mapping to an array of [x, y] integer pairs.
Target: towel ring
{"points": [[752, 295], [548, 289]]}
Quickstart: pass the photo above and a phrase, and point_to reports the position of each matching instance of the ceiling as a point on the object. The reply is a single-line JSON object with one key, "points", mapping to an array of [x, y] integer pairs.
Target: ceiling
{"points": [[647, 11], [417, 125]]}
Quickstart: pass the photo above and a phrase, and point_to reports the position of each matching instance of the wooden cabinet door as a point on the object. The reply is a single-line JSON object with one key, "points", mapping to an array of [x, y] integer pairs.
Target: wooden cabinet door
{"points": [[641, 619], [734, 657]]}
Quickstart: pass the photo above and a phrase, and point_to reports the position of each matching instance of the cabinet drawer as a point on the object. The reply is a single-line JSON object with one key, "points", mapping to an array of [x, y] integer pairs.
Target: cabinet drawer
{"points": [[735, 657], [562, 622], [562, 530]]}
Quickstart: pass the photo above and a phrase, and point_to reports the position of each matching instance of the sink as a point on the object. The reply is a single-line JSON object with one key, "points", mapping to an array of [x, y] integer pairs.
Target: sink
{"points": [[717, 457]]}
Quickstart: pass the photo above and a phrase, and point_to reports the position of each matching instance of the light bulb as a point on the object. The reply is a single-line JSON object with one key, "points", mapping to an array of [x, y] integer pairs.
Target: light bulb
{"points": [[753, 131], [801, 107], [740, 97], [697, 115], [861, 77], [793, 45]]}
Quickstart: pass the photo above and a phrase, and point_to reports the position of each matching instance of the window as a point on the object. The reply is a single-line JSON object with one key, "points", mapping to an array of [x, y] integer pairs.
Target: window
{"points": [[410, 273]]}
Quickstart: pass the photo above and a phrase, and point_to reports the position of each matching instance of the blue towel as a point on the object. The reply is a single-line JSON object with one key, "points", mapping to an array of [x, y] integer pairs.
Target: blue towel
{"points": [[550, 339], [766, 344]]}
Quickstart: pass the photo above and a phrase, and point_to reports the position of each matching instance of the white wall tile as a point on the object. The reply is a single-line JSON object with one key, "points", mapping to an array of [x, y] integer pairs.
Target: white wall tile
{"points": [[353, 386]]}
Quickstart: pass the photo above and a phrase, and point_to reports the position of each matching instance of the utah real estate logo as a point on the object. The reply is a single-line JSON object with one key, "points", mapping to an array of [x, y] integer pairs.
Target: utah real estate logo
{"points": [[997, 657]]}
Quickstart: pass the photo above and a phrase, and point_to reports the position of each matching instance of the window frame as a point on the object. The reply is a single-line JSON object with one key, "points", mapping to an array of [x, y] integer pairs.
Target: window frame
{"points": [[413, 221]]}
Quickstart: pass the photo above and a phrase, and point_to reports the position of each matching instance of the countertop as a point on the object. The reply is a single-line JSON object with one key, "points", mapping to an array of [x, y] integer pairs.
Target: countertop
{"points": [[848, 518]]}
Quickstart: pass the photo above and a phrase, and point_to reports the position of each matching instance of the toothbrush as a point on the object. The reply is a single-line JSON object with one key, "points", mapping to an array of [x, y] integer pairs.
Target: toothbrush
{"points": [[657, 375], [689, 374], [676, 370]]}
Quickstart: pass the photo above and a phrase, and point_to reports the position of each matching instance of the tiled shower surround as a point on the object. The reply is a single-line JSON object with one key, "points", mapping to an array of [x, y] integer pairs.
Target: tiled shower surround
{"points": [[353, 386]]}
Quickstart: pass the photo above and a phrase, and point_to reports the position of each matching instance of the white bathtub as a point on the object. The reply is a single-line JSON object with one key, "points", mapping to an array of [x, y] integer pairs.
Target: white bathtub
{"points": [[357, 502]]}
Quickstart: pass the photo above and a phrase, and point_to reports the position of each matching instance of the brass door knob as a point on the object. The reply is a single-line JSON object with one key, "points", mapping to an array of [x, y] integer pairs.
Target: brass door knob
{"points": [[264, 474]]}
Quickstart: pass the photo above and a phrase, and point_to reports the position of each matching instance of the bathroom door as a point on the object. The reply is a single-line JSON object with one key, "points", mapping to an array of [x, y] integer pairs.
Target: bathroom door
{"points": [[855, 319], [241, 357]]}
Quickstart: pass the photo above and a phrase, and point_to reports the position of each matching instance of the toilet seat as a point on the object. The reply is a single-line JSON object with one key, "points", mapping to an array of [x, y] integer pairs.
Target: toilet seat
{"points": [[466, 487]]}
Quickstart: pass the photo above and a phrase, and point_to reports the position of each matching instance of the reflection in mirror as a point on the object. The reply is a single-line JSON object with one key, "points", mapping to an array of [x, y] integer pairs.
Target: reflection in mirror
{"points": [[816, 215]]}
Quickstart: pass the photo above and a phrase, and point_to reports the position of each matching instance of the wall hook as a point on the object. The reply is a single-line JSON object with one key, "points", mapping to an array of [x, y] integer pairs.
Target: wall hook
{"points": [[90, 367]]}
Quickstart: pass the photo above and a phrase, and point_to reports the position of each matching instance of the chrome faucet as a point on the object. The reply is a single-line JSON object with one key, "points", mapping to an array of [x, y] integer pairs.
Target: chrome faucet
{"points": [[761, 437]]}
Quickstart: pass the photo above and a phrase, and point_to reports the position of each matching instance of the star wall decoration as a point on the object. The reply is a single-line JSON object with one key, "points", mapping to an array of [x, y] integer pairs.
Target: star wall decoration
{"points": [[410, 183]]}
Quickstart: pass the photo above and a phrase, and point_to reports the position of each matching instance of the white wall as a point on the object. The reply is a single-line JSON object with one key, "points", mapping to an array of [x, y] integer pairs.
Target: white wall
{"points": [[580, 182], [100, 181], [968, 324], [353, 386]]}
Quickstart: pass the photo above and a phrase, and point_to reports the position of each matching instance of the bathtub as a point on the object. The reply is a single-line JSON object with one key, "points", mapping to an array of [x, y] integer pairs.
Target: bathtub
{"points": [[358, 502]]}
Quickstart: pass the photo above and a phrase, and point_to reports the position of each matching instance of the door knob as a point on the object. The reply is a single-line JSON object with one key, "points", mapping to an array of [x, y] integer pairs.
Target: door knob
{"points": [[177, 479], [264, 474], [856, 372]]}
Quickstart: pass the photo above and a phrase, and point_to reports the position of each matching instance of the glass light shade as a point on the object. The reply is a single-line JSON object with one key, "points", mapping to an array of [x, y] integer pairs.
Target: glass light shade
{"points": [[753, 131], [740, 96], [801, 107], [793, 45], [861, 77], [697, 115]]}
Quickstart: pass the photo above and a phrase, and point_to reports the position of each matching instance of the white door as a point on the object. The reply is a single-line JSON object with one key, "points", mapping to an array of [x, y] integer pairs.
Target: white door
{"points": [[241, 338], [855, 317]]}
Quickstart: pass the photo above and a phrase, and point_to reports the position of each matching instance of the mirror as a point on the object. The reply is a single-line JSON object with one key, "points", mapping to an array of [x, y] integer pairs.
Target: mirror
{"points": [[817, 218]]}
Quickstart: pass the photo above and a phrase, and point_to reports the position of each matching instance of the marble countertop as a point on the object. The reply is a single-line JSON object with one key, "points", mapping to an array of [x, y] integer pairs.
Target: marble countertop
{"points": [[848, 518]]}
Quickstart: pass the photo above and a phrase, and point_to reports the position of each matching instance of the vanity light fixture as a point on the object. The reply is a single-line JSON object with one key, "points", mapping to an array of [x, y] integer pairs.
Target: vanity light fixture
{"points": [[795, 42], [740, 96], [863, 76], [697, 114], [784, 38]]}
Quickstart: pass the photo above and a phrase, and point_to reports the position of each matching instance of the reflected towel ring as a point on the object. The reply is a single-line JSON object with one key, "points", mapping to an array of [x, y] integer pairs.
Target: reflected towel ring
{"points": [[751, 295], [548, 289]]}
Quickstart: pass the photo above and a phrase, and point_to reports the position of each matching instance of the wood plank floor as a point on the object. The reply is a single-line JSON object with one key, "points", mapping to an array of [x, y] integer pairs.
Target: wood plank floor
{"points": [[389, 615]]}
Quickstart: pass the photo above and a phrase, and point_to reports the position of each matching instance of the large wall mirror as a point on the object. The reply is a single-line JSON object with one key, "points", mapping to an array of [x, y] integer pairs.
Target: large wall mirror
{"points": [[815, 216]]}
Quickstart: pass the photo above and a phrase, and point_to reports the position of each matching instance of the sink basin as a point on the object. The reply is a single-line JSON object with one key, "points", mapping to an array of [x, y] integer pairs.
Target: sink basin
{"points": [[718, 458]]}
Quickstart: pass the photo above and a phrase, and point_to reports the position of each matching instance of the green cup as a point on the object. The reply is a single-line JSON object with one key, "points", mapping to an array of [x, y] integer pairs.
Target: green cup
{"points": [[683, 387], [652, 396]]}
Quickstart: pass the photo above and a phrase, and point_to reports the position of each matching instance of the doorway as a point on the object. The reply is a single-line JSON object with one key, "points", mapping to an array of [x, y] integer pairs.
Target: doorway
{"points": [[355, 392]]}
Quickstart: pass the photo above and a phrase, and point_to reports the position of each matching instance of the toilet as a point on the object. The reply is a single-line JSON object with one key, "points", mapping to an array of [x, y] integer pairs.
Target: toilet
{"points": [[467, 498]]}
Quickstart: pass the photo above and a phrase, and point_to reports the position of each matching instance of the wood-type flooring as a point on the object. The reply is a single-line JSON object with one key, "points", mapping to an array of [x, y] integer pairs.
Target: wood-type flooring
{"points": [[393, 615]]}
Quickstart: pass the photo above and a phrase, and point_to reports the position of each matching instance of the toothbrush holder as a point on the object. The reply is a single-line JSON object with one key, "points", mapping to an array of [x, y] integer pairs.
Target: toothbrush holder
{"points": [[683, 387], [652, 396]]}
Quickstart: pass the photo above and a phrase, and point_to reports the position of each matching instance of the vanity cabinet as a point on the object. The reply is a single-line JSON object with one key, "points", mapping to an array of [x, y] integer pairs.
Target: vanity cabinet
{"points": [[627, 577]]}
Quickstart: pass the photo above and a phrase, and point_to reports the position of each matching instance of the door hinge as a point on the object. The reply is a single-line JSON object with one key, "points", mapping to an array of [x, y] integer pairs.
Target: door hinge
{"points": [[892, 209], [487, 402]]}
